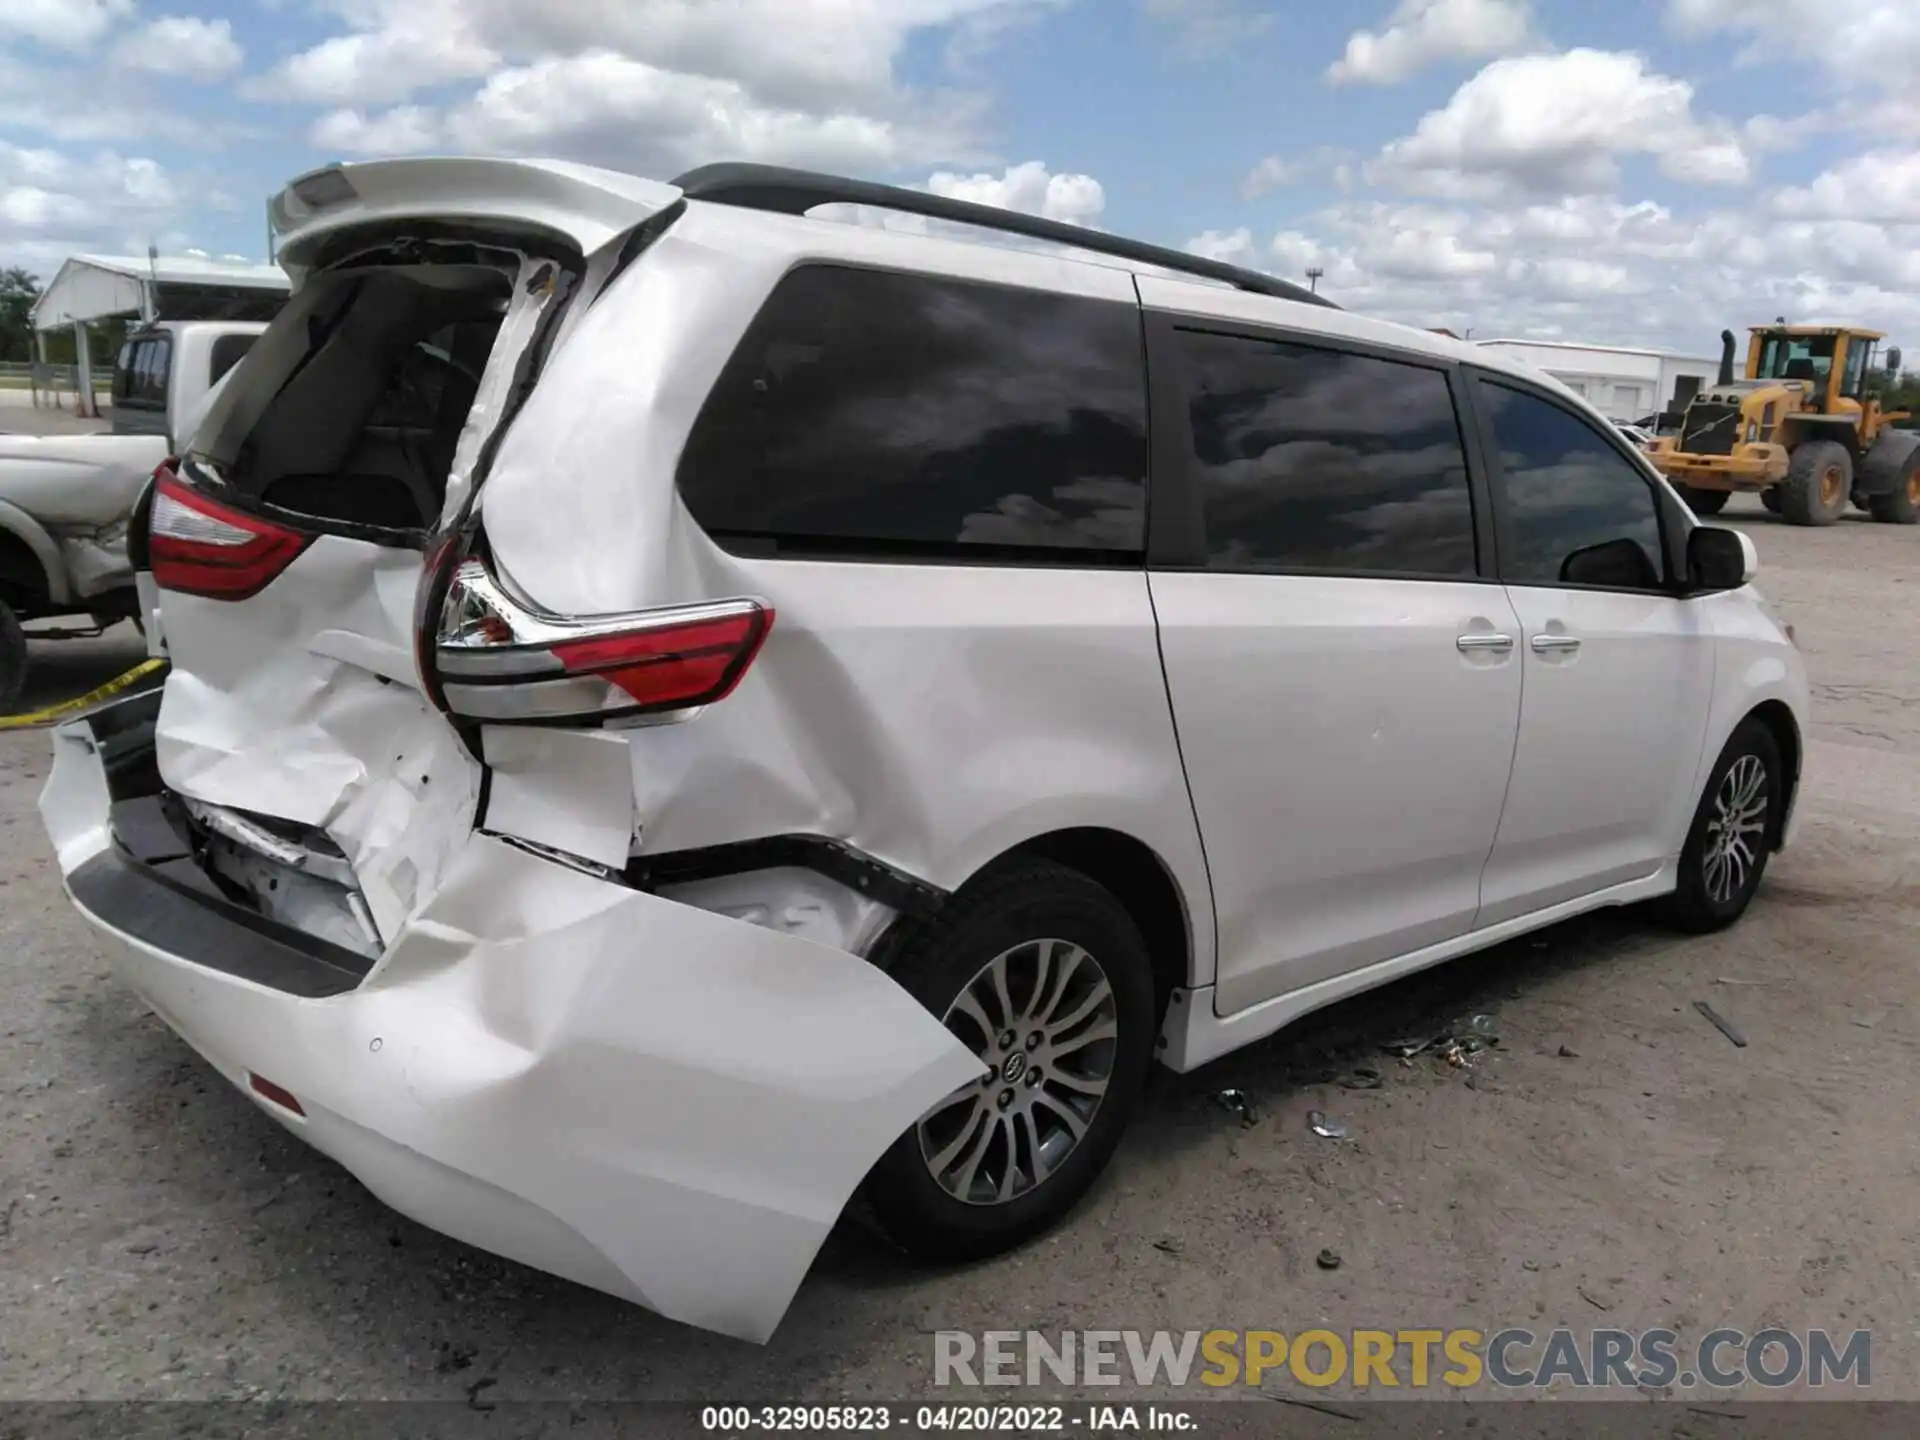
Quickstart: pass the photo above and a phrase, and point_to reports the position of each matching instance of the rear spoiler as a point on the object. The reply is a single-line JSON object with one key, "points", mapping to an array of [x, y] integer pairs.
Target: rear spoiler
{"points": [[582, 204]]}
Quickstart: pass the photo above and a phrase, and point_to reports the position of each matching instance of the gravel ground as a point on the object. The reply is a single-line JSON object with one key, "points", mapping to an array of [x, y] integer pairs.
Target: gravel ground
{"points": [[1615, 1161]]}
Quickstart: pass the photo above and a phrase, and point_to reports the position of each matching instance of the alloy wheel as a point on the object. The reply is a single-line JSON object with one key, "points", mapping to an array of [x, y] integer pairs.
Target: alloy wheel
{"points": [[1737, 829], [1043, 1019]]}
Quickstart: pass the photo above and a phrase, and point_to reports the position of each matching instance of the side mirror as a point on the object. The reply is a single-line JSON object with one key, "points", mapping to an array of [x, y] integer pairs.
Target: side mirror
{"points": [[1893, 360], [1719, 559]]}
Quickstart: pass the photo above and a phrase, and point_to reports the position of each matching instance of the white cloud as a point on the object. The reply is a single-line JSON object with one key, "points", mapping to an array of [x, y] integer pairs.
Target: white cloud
{"points": [[1559, 124], [1275, 172], [1595, 269], [52, 203], [405, 46], [1864, 43], [1205, 28], [1420, 33], [1881, 188], [1029, 188], [64, 24], [181, 45], [649, 85], [405, 129]]}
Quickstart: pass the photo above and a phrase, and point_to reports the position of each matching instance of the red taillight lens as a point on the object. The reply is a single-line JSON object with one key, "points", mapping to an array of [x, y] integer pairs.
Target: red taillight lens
{"points": [[198, 546], [497, 659]]}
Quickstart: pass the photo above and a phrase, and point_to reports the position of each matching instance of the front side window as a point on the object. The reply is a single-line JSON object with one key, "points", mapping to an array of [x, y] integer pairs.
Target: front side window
{"points": [[889, 415], [1854, 377], [1578, 511], [1796, 357], [1322, 460]]}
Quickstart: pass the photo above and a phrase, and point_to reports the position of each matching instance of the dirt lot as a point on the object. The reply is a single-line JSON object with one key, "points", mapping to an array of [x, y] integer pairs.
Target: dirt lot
{"points": [[1615, 1161]]}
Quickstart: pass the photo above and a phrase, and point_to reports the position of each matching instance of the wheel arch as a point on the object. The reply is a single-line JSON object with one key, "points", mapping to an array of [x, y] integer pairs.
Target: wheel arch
{"points": [[1135, 874], [30, 562], [1778, 718]]}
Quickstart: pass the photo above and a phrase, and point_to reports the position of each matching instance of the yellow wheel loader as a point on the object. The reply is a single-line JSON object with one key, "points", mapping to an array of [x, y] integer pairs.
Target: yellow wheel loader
{"points": [[1800, 429]]}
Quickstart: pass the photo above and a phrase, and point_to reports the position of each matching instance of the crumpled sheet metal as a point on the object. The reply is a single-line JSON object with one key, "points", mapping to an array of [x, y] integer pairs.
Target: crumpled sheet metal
{"points": [[96, 558], [263, 715], [629, 1092]]}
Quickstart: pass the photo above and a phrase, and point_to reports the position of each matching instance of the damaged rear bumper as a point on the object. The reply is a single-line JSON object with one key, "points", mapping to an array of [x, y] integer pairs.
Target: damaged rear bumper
{"points": [[633, 1093]]}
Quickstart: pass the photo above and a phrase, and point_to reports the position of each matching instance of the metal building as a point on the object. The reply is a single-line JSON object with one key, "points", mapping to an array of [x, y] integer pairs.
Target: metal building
{"points": [[1624, 385], [149, 288]]}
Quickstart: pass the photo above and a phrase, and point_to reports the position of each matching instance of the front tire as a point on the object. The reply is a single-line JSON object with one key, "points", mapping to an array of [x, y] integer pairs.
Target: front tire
{"points": [[1770, 497], [1819, 483], [1733, 832], [1040, 972], [13, 659]]}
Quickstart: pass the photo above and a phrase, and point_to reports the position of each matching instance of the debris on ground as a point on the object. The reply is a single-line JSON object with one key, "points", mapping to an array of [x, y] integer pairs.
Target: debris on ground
{"points": [[1870, 1019], [1362, 1077], [1327, 1260], [1529, 1264], [1169, 1246], [1455, 1045], [1325, 1126], [1238, 1102], [1567, 1052], [1587, 1296], [1721, 1023]]}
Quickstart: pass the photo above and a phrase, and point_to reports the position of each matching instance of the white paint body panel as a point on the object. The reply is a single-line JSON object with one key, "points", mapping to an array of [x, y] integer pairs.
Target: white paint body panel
{"points": [[1347, 762], [632, 1093], [1610, 739]]}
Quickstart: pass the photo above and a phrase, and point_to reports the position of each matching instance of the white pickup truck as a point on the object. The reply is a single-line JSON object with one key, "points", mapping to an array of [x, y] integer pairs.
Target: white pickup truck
{"points": [[66, 501]]}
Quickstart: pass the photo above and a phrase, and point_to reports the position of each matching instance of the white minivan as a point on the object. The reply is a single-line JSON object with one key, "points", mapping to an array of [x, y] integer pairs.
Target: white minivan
{"points": [[683, 709]]}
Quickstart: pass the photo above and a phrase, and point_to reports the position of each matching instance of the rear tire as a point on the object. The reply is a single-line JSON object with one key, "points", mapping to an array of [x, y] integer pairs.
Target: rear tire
{"points": [[13, 659], [1704, 502], [1001, 1160], [1770, 497], [1901, 504], [1818, 484], [1732, 834]]}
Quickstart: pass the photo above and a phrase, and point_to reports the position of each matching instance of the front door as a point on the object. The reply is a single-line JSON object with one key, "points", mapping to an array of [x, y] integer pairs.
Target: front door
{"points": [[1618, 669]]}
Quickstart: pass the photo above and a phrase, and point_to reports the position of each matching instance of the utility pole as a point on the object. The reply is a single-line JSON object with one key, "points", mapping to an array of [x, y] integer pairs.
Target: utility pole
{"points": [[1314, 272]]}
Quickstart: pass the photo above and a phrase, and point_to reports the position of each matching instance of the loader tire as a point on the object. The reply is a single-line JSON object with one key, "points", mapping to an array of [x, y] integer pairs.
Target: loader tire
{"points": [[1704, 502], [1770, 497], [1818, 484], [1899, 505]]}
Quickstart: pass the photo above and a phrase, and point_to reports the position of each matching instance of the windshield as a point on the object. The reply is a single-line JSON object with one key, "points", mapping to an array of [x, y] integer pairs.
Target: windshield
{"points": [[1796, 357]]}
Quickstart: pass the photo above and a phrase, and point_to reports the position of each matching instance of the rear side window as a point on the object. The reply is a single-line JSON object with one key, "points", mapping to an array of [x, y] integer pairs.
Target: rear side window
{"points": [[1312, 459], [901, 416], [144, 368], [228, 351], [1578, 512]]}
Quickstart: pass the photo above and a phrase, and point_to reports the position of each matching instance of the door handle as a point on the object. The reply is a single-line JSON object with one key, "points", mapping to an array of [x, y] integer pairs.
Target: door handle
{"points": [[1552, 644], [1484, 640]]}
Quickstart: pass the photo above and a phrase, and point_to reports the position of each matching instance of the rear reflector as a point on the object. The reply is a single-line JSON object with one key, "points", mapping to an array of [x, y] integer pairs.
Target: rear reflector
{"points": [[270, 1091], [197, 546], [497, 659]]}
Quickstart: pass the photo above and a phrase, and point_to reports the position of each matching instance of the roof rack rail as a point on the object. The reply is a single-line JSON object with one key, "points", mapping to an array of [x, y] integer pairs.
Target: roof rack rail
{"points": [[795, 192]]}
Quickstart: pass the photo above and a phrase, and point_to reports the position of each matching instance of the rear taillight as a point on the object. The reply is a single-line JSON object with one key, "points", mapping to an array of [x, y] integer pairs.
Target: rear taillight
{"points": [[197, 546], [495, 658]]}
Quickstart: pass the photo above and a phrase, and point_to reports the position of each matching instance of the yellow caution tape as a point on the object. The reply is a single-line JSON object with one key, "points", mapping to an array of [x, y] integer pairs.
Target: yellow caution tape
{"points": [[91, 698]]}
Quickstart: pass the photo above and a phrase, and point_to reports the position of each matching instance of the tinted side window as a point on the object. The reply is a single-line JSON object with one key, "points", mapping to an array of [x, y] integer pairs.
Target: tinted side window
{"points": [[1312, 459], [874, 413], [228, 351], [1578, 512]]}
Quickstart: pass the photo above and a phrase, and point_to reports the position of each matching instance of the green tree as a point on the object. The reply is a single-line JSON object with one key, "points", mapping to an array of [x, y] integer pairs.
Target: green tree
{"points": [[18, 291]]}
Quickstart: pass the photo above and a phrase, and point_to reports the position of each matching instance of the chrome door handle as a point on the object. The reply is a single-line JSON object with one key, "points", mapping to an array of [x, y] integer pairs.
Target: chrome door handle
{"points": [[1549, 644], [1484, 640]]}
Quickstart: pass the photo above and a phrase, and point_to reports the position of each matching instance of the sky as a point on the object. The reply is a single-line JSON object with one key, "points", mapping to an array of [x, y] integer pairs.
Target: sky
{"points": [[1635, 172]]}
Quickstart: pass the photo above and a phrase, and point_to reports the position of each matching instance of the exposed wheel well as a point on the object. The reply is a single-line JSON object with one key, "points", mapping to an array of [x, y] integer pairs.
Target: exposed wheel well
{"points": [[1140, 882], [23, 580], [1779, 719]]}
